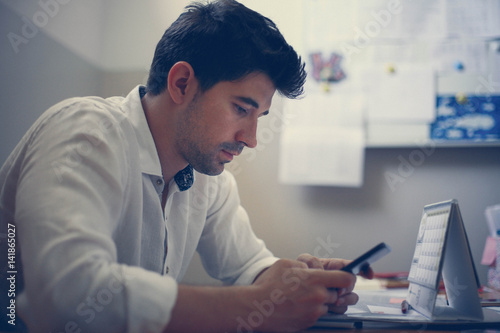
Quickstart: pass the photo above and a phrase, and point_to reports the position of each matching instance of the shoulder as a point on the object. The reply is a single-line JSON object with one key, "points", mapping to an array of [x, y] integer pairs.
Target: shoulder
{"points": [[92, 118], [87, 109], [82, 131]]}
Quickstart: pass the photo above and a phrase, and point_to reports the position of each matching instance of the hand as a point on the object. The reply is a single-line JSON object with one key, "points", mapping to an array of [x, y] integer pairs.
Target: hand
{"points": [[299, 295], [345, 296], [331, 264]]}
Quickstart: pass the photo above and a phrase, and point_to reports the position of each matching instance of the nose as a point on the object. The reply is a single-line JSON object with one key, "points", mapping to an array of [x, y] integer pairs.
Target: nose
{"points": [[248, 134]]}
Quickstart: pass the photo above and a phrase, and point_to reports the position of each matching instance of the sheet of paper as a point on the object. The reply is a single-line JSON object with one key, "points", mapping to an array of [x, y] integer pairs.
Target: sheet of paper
{"points": [[490, 251], [323, 142], [490, 83], [322, 156], [477, 18], [390, 134], [327, 20], [402, 19], [492, 214], [405, 94], [384, 310], [392, 51], [337, 108], [459, 56], [361, 22]]}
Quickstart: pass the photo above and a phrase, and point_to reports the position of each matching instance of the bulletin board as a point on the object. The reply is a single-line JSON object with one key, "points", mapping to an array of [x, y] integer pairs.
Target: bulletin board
{"points": [[391, 73]]}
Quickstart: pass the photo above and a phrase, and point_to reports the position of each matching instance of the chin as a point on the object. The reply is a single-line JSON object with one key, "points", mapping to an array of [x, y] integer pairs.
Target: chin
{"points": [[210, 171]]}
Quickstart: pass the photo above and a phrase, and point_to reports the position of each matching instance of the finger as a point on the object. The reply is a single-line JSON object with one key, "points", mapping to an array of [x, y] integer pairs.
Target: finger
{"points": [[310, 261], [342, 303], [335, 264], [332, 296], [367, 273], [332, 264], [337, 309], [332, 279], [348, 290], [286, 263], [348, 299]]}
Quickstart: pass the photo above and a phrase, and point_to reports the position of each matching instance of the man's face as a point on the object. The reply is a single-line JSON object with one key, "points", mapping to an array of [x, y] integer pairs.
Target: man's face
{"points": [[220, 122]]}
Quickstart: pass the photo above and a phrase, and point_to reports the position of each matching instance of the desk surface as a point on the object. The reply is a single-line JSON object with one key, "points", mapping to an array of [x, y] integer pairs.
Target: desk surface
{"points": [[405, 330], [481, 327], [380, 331]]}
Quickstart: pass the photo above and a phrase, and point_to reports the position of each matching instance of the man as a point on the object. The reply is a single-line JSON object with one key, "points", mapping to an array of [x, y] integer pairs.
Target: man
{"points": [[110, 198]]}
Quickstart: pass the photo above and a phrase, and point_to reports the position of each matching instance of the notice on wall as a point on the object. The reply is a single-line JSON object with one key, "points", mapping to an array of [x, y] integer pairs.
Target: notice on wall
{"points": [[323, 143]]}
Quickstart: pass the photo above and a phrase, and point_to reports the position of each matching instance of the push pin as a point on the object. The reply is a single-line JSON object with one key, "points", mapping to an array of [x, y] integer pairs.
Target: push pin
{"points": [[405, 307], [461, 98], [391, 69], [459, 66]]}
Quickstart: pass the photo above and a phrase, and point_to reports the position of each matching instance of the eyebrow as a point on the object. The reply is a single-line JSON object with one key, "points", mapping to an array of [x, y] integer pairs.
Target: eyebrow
{"points": [[249, 101]]}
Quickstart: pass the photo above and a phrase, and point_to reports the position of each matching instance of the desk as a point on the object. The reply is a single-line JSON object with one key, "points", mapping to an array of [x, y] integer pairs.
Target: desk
{"points": [[375, 331], [489, 325], [416, 329]]}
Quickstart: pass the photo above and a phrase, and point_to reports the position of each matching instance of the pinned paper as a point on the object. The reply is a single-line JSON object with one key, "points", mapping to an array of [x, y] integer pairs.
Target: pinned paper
{"points": [[323, 142], [492, 214], [322, 156], [490, 251], [407, 94]]}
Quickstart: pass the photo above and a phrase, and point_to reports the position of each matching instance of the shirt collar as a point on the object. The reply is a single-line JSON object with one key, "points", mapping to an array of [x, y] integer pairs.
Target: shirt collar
{"points": [[185, 178], [150, 162]]}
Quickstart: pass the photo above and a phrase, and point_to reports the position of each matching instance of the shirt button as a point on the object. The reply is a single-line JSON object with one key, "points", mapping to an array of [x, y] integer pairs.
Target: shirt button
{"points": [[159, 181], [166, 270]]}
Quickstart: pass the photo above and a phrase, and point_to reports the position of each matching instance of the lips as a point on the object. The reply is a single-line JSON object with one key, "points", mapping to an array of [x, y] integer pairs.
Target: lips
{"points": [[229, 151], [229, 155]]}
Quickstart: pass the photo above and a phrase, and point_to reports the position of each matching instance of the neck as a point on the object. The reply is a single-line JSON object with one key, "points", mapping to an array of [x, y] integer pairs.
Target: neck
{"points": [[160, 115]]}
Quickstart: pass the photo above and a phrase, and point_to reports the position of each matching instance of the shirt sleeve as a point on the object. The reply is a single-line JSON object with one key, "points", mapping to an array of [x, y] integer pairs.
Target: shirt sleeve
{"points": [[229, 249], [69, 202]]}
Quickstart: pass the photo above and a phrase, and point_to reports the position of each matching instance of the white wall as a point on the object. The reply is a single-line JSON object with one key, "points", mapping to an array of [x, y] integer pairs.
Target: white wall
{"points": [[77, 25], [113, 35], [132, 30]]}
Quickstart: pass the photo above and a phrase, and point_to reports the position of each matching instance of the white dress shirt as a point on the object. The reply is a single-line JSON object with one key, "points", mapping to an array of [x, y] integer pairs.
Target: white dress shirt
{"points": [[83, 189]]}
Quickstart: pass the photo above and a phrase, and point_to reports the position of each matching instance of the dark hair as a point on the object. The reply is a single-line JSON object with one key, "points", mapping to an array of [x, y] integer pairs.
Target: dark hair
{"points": [[224, 41]]}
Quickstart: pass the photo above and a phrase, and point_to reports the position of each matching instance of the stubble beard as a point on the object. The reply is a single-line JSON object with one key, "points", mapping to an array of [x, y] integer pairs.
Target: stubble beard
{"points": [[190, 142]]}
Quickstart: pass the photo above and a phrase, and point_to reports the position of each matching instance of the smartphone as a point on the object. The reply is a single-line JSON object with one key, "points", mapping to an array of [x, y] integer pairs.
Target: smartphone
{"points": [[362, 262]]}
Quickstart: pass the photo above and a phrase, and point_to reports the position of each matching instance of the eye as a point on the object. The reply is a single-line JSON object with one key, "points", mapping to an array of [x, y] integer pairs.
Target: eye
{"points": [[239, 109]]}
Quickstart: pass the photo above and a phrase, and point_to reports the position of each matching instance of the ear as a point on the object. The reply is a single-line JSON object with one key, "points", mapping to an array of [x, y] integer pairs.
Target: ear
{"points": [[181, 81]]}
